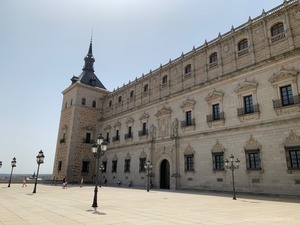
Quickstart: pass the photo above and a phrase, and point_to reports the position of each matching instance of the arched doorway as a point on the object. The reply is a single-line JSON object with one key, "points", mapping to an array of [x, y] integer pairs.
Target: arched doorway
{"points": [[165, 174]]}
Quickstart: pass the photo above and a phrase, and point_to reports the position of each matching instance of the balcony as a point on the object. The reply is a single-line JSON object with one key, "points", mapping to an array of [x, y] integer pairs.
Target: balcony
{"points": [[244, 111], [128, 136], [116, 138], [277, 37], [212, 118], [143, 132], [279, 103], [88, 141], [187, 123]]}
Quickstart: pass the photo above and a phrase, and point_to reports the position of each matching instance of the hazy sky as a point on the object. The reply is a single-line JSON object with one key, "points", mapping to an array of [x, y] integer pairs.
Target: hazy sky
{"points": [[43, 43]]}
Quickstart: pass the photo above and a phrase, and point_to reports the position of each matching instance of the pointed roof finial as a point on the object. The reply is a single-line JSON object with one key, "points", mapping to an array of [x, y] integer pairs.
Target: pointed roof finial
{"points": [[232, 28], [263, 13]]}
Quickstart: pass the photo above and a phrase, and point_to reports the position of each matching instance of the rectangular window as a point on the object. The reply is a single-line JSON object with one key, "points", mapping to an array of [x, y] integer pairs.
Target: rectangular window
{"points": [[142, 164], [87, 138], [253, 160], [104, 163], [127, 165], [218, 161], [117, 135], [85, 166], [144, 131], [107, 137], [129, 132], [59, 166], [286, 95], [248, 104], [295, 159], [114, 166], [216, 111], [189, 162], [188, 116]]}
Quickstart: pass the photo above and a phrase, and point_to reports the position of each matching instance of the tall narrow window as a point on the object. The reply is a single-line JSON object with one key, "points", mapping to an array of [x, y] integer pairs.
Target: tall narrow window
{"points": [[295, 159], [253, 160], [127, 165], [87, 138], [94, 104], [142, 164], [120, 99], [110, 103], [117, 135], [129, 132], [188, 116], [165, 80], [131, 94], [114, 166], [85, 166], [144, 131], [216, 111], [83, 101], [287, 95], [107, 137], [218, 161], [146, 88], [59, 166], [248, 104], [189, 162]]}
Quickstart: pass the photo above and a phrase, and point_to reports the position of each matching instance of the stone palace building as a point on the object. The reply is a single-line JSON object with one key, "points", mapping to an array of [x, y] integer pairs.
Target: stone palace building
{"points": [[237, 94]]}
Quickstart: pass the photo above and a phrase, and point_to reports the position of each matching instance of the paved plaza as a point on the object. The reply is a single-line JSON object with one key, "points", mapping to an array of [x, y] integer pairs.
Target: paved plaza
{"points": [[124, 206]]}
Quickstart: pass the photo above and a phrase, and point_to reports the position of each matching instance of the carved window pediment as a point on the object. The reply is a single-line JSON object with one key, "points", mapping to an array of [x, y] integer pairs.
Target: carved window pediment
{"points": [[143, 155], [188, 104], [163, 112], [144, 117], [292, 140], [117, 125], [107, 127], [128, 156], [283, 75], [189, 150], [215, 95], [218, 147], [115, 158], [252, 144], [246, 86], [130, 121]]}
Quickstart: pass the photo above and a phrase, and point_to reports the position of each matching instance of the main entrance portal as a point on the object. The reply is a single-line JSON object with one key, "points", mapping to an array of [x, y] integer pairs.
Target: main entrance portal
{"points": [[165, 174]]}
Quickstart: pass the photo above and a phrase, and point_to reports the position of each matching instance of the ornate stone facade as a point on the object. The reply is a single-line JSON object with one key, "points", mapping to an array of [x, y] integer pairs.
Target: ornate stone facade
{"points": [[237, 94]]}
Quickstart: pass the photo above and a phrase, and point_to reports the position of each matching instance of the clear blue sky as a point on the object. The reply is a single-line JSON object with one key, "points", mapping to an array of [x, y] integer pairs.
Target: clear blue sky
{"points": [[43, 44]]}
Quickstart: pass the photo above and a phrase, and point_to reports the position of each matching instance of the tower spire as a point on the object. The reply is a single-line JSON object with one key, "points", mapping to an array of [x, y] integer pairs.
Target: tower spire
{"points": [[89, 59]]}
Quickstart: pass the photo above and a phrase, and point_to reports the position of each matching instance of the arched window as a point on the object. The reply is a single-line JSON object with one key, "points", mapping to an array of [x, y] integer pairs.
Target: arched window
{"points": [[83, 101], [277, 29], [94, 104], [120, 99], [188, 69], [165, 79], [243, 44], [110, 103], [213, 57], [146, 88], [131, 94]]}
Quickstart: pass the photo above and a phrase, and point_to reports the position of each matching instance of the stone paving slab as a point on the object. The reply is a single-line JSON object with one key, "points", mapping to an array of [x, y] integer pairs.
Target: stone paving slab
{"points": [[127, 206]]}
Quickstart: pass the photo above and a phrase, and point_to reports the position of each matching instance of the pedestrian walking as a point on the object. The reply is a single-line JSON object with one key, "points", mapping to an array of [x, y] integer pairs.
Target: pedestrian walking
{"points": [[24, 182], [81, 182]]}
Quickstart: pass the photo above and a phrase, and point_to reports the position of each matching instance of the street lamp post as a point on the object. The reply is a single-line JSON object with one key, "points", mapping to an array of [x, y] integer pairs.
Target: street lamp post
{"points": [[98, 150], [0, 164], [13, 164], [73, 174], [39, 160], [232, 167], [148, 167]]}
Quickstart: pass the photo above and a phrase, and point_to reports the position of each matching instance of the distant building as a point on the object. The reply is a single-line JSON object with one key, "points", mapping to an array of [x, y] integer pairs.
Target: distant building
{"points": [[237, 94]]}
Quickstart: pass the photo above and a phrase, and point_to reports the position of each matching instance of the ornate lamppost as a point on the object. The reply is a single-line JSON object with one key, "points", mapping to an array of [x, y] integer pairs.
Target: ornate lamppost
{"points": [[233, 166], [13, 164], [98, 150], [0, 164], [39, 160], [148, 168]]}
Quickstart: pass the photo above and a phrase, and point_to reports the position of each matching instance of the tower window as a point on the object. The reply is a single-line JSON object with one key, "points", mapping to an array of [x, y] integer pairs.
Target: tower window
{"points": [[94, 104], [188, 69], [243, 44], [213, 57], [83, 101], [277, 29]]}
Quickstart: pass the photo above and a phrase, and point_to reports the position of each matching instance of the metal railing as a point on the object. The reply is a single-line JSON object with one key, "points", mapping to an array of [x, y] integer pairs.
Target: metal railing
{"points": [[213, 117], [279, 103], [129, 135], [187, 123], [143, 132], [244, 111]]}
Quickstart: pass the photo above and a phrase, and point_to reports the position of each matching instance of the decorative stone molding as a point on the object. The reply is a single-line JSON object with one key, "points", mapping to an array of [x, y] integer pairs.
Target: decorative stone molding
{"points": [[128, 156], [107, 127], [292, 140], [143, 155], [188, 104], [284, 75], [117, 125], [90, 127], [163, 112], [115, 158], [246, 86], [130, 121], [252, 144], [214, 96], [144, 117], [189, 150], [217, 148]]}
